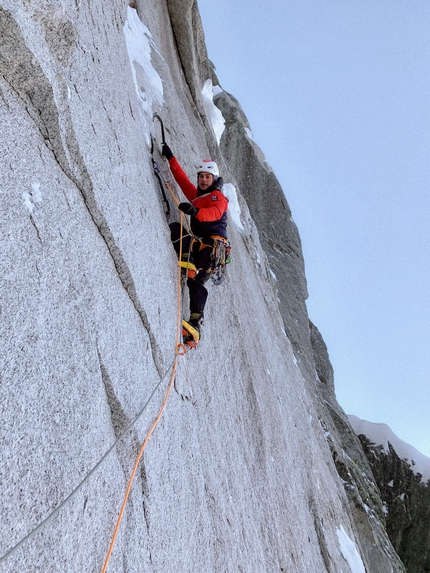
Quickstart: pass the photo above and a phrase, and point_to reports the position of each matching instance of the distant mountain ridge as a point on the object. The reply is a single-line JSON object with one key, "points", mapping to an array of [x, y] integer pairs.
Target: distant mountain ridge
{"points": [[382, 435], [402, 474]]}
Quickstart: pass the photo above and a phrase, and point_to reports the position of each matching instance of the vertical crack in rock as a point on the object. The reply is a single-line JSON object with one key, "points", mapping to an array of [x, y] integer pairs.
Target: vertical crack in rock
{"points": [[24, 75], [144, 482], [33, 222], [119, 418], [253, 414], [321, 537], [120, 422]]}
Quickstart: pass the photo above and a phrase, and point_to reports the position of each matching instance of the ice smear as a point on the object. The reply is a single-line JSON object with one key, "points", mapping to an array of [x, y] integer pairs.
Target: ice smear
{"points": [[30, 198], [28, 204], [382, 435], [214, 114], [36, 194], [229, 191], [349, 552], [148, 84]]}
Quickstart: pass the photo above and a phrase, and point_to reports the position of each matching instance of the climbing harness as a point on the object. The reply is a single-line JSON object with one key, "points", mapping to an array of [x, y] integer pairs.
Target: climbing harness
{"points": [[220, 257]]}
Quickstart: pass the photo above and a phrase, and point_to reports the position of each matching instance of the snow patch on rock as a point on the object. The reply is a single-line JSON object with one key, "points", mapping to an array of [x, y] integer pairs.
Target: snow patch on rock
{"points": [[148, 84], [229, 191], [215, 116], [349, 552]]}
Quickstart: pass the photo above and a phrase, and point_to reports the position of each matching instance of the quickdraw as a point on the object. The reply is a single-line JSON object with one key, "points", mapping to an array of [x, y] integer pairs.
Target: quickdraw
{"points": [[158, 176], [220, 257], [157, 171]]}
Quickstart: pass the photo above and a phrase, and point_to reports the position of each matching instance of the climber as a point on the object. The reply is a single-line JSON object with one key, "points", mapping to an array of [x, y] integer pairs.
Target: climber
{"points": [[208, 210]]}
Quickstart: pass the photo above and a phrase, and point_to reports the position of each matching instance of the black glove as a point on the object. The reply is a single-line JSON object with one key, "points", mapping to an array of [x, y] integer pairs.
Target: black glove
{"points": [[188, 209], [166, 151], [218, 184]]}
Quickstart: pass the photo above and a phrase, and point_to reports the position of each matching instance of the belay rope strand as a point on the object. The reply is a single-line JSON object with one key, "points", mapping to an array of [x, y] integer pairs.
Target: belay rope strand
{"points": [[179, 351], [77, 489], [220, 253]]}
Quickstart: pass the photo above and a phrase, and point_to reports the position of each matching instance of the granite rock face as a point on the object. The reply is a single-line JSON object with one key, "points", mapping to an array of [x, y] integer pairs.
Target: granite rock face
{"points": [[281, 242], [272, 215], [253, 473]]}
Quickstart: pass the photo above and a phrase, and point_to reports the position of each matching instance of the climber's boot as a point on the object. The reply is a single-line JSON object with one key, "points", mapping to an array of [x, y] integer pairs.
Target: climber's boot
{"points": [[191, 329]]}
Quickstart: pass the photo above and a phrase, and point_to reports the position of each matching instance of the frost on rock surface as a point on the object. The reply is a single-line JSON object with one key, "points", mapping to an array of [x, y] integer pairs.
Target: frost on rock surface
{"points": [[250, 475]]}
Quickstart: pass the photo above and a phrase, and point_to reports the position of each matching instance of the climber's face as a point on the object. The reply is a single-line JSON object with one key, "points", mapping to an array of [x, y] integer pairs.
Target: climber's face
{"points": [[205, 180]]}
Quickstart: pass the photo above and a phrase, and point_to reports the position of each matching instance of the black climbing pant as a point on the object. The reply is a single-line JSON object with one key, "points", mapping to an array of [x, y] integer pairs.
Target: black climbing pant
{"points": [[199, 254]]}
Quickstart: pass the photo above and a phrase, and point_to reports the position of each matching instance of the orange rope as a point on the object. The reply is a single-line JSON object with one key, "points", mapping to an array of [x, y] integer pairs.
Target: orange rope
{"points": [[169, 187], [136, 465], [180, 351], [176, 200]]}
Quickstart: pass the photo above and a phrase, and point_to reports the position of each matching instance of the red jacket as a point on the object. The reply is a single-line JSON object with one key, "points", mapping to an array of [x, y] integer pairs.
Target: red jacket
{"points": [[211, 218]]}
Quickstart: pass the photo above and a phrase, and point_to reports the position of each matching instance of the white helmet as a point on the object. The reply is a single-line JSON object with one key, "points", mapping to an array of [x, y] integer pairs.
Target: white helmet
{"points": [[208, 166]]}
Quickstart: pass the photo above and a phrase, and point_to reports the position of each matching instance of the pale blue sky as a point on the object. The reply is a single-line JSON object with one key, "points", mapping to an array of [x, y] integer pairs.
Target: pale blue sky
{"points": [[338, 97]]}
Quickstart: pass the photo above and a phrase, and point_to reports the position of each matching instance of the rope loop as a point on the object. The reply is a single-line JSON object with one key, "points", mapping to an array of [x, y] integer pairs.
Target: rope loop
{"points": [[181, 350]]}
